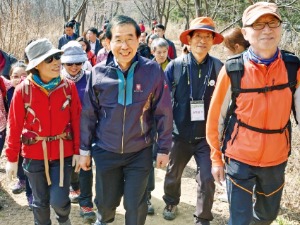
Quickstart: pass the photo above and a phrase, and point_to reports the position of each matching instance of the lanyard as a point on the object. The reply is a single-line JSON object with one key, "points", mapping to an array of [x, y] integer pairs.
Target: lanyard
{"points": [[206, 79]]}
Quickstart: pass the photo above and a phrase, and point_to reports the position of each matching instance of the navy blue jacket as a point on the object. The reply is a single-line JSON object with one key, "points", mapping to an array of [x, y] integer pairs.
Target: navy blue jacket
{"points": [[120, 110], [64, 40], [203, 78]]}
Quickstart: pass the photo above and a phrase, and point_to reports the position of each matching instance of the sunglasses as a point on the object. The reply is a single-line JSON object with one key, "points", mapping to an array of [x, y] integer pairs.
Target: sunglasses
{"points": [[56, 56], [71, 64]]}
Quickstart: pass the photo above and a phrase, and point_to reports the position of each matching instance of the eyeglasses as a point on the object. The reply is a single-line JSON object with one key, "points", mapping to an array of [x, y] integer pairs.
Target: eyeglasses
{"points": [[18, 77], [56, 56], [71, 64], [204, 38], [128, 42], [261, 25]]}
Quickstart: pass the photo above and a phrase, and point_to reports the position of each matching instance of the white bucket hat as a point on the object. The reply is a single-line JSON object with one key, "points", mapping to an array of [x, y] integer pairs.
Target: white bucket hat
{"points": [[73, 53], [37, 51]]}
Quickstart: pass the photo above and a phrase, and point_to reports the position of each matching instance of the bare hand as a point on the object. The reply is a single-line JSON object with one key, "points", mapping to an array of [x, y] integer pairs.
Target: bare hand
{"points": [[218, 174], [85, 162], [162, 160]]}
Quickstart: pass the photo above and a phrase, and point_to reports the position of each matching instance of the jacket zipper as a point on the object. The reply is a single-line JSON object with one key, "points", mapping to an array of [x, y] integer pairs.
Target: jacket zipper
{"points": [[264, 126], [124, 114]]}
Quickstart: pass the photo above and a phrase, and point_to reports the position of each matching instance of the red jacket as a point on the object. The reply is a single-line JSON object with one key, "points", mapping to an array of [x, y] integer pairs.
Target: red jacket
{"points": [[51, 120]]}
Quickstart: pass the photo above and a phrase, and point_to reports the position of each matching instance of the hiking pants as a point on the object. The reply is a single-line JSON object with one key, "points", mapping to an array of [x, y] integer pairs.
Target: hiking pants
{"points": [[254, 193], [2, 140], [180, 155], [86, 186], [120, 175], [151, 179], [44, 195]]}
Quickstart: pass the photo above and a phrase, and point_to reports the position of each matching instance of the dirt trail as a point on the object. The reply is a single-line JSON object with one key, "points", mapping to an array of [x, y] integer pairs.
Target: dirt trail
{"points": [[16, 212]]}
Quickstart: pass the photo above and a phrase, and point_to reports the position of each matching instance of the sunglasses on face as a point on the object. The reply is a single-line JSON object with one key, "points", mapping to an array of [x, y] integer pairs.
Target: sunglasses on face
{"points": [[71, 64], [56, 56]]}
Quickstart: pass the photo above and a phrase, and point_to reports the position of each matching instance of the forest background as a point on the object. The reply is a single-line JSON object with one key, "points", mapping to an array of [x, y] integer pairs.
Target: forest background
{"points": [[23, 20]]}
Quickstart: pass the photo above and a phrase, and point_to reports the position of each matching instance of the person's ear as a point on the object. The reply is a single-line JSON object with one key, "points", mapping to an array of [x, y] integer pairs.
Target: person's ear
{"points": [[244, 32], [188, 37]]}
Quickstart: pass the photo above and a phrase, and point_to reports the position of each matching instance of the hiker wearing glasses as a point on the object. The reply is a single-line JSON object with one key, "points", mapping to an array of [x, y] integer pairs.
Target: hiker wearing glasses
{"points": [[45, 112], [249, 119], [124, 99]]}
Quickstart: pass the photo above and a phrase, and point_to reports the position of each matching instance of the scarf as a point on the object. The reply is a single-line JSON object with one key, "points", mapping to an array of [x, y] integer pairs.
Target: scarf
{"points": [[75, 78], [259, 60], [49, 86]]}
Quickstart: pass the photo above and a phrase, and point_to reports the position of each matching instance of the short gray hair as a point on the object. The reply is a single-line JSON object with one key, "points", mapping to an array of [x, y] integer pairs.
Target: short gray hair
{"points": [[159, 42]]}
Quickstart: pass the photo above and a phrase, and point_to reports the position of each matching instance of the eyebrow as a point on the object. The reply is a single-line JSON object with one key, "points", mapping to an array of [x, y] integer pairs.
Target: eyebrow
{"points": [[130, 35]]}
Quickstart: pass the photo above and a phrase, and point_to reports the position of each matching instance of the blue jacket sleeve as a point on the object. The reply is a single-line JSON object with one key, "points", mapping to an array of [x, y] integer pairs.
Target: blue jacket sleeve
{"points": [[163, 115], [88, 120]]}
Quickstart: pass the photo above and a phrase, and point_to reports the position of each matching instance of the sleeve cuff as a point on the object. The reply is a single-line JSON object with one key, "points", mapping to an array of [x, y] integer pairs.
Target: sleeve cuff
{"points": [[85, 152]]}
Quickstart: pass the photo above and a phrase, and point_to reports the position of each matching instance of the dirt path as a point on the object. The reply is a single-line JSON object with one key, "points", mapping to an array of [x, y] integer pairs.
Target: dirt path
{"points": [[16, 212]]}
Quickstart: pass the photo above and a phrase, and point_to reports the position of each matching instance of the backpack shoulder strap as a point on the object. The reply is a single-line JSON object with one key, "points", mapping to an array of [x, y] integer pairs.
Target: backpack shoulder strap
{"points": [[292, 64], [217, 65], [235, 70], [27, 94], [180, 67]]}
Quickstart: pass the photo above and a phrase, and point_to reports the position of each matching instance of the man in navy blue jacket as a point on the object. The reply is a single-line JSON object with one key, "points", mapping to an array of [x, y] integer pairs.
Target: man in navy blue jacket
{"points": [[124, 99], [69, 35]]}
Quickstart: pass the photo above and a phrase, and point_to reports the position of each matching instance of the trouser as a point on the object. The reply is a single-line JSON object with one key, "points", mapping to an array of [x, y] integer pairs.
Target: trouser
{"points": [[180, 155], [44, 195], [2, 140], [86, 186], [254, 193], [120, 175], [151, 179], [22, 177]]}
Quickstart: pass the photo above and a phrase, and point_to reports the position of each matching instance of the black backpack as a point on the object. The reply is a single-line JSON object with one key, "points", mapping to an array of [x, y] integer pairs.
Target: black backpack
{"points": [[235, 69]]}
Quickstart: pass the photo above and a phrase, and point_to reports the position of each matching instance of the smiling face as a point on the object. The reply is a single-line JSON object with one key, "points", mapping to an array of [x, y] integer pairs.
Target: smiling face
{"points": [[72, 68], [48, 71], [124, 43], [200, 42], [264, 42], [17, 75]]}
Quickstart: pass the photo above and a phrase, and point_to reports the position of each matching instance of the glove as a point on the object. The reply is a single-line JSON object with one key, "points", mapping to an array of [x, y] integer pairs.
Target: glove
{"points": [[11, 170], [75, 162]]}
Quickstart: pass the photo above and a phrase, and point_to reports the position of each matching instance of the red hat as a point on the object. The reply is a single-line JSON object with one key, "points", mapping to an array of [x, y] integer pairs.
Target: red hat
{"points": [[201, 23]]}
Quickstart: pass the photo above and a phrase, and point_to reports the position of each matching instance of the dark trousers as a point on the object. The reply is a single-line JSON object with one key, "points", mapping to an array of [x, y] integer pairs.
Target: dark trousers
{"points": [[86, 186], [22, 177], [254, 193], [44, 195], [83, 181], [120, 175], [180, 155], [2, 140], [151, 179]]}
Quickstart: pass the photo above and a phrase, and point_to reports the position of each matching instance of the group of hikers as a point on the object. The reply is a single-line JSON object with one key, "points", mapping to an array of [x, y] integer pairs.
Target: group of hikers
{"points": [[131, 109]]}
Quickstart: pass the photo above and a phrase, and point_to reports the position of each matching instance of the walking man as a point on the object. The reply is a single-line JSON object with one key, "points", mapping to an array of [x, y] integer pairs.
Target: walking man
{"points": [[124, 99], [258, 132], [192, 78]]}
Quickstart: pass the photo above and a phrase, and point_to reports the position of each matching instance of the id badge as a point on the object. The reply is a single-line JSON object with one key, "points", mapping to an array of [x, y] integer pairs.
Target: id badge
{"points": [[197, 110]]}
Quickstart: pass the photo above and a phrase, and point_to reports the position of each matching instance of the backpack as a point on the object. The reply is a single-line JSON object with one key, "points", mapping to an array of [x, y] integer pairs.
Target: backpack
{"points": [[235, 69]]}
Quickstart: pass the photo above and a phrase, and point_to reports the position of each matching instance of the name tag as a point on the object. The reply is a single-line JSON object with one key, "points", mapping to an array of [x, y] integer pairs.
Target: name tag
{"points": [[197, 111]]}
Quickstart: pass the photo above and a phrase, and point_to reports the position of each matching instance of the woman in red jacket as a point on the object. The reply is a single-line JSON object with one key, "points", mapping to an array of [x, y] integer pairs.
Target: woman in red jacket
{"points": [[45, 112]]}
